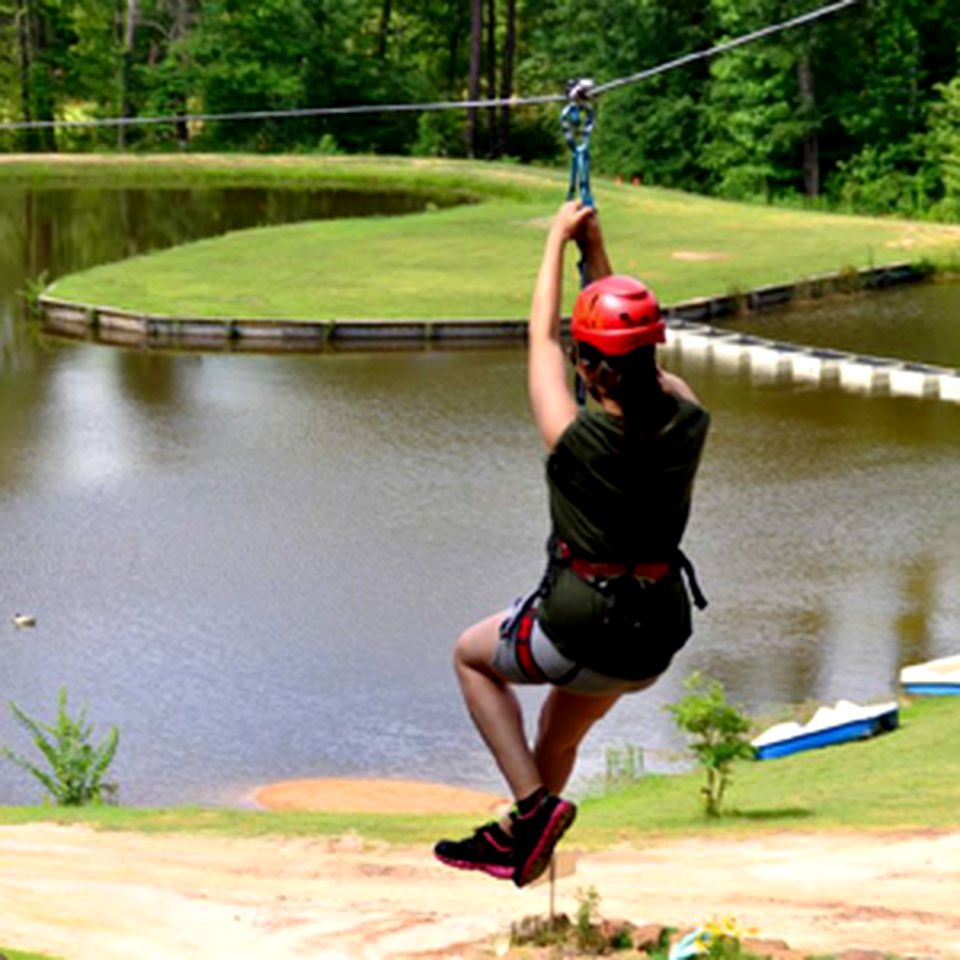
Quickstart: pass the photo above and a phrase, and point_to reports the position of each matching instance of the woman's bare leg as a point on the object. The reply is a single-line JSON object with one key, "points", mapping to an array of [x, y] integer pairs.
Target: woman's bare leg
{"points": [[565, 719], [494, 707]]}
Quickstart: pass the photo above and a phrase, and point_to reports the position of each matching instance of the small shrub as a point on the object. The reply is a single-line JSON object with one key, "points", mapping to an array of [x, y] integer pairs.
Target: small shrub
{"points": [[718, 735], [540, 931], [587, 935], [32, 291], [327, 146], [76, 767]]}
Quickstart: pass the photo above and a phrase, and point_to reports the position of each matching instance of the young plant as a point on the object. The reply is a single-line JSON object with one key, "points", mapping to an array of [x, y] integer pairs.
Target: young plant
{"points": [[717, 731], [75, 766], [588, 936], [32, 291]]}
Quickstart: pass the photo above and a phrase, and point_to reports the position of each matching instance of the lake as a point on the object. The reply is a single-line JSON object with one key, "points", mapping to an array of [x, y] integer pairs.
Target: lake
{"points": [[256, 565]]}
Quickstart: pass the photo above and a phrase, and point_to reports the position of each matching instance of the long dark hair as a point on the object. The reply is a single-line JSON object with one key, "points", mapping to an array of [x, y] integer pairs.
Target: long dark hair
{"points": [[632, 381]]}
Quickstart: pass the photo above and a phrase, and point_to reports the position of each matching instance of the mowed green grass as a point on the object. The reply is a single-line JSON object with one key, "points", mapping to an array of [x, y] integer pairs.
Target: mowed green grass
{"points": [[19, 955], [908, 779], [477, 260]]}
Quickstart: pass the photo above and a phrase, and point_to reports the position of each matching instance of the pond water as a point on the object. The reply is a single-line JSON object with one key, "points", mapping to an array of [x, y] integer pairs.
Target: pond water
{"points": [[916, 323], [256, 565]]}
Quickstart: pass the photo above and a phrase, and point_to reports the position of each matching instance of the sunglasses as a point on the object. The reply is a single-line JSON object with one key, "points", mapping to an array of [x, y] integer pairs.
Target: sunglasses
{"points": [[585, 354]]}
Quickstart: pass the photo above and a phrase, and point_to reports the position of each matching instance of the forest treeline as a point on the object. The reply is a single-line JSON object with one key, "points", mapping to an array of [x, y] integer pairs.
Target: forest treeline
{"points": [[860, 110]]}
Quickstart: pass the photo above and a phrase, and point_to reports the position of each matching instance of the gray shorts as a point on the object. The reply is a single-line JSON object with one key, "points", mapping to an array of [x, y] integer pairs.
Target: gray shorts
{"points": [[526, 655]]}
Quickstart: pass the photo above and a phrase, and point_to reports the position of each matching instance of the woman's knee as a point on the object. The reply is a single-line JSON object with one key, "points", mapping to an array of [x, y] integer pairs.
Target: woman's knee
{"points": [[477, 644]]}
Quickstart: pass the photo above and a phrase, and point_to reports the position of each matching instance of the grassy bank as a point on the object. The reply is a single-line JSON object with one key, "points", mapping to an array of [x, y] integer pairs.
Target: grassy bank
{"points": [[472, 261], [909, 779], [18, 955], [169, 171]]}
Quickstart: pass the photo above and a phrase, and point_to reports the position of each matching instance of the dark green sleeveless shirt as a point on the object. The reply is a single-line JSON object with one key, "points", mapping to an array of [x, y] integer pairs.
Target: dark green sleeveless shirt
{"points": [[622, 499]]}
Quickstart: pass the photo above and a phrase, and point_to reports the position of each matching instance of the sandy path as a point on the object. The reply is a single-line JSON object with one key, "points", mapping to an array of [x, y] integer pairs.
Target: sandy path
{"points": [[83, 895]]}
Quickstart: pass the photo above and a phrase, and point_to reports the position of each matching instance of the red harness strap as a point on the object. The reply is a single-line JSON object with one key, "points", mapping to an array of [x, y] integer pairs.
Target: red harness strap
{"points": [[594, 569]]}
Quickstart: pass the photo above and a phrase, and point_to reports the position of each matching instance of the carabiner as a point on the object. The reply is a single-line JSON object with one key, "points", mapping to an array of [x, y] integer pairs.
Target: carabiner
{"points": [[577, 121]]}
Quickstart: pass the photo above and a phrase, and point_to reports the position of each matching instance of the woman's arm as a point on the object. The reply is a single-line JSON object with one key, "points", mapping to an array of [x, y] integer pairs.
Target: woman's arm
{"points": [[554, 406]]}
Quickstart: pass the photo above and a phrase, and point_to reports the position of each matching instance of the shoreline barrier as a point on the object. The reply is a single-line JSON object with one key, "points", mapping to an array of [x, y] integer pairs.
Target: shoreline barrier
{"points": [[772, 360], [689, 331]]}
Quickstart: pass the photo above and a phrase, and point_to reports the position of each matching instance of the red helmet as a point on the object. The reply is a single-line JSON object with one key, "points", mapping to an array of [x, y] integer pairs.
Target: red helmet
{"points": [[616, 315]]}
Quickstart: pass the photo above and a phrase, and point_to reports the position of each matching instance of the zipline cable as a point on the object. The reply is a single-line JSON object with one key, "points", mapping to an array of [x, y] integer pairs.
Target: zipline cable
{"points": [[375, 108], [688, 58]]}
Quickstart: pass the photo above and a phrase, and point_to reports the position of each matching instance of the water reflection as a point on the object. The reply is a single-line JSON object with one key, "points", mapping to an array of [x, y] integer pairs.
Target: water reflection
{"points": [[917, 322], [256, 565], [57, 231]]}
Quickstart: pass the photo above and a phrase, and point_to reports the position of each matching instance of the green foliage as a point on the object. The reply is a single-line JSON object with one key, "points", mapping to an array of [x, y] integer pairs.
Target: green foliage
{"points": [[859, 107], [32, 292], [586, 934], [20, 955], [439, 134], [587, 937], [943, 144], [717, 732], [75, 767], [879, 181]]}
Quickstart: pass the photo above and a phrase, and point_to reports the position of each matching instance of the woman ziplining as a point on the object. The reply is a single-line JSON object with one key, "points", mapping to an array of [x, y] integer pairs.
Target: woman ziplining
{"points": [[612, 608]]}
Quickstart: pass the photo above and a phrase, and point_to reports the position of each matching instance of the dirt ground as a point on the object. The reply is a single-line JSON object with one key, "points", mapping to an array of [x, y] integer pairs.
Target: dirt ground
{"points": [[85, 895]]}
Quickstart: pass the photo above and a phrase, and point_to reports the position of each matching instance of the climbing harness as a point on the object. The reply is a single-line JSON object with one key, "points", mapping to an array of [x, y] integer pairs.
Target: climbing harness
{"points": [[599, 572], [604, 574]]}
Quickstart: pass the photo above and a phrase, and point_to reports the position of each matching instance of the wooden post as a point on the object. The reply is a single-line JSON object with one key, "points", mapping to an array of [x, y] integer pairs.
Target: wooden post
{"points": [[553, 891]]}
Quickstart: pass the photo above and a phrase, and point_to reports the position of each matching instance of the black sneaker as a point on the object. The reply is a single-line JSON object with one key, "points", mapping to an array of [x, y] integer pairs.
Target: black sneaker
{"points": [[536, 833], [489, 849]]}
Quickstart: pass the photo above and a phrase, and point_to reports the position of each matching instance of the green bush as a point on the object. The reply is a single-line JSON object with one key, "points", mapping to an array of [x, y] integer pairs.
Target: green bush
{"points": [[76, 767], [718, 735]]}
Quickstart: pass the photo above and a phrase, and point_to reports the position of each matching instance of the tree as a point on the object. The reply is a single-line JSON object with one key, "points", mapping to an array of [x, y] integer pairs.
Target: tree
{"points": [[245, 57], [127, 28], [473, 80], [943, 145], [34, 42], [651, 130], [8, 60], [763, 125], [506, 73]]}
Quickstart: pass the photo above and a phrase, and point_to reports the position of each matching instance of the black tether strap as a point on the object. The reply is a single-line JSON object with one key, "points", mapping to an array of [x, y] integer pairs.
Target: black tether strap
{"points": [[691, 574]]}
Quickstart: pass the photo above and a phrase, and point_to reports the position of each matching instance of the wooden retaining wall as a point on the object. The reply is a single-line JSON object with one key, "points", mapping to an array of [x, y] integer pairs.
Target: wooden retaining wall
{"points": [[689, 330]]}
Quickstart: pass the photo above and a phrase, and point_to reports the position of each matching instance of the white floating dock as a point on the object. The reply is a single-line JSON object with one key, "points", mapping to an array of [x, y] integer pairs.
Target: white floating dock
{"points": [[863, 375], [769, 360], [807, 367], [948, 387], [908, 382]]}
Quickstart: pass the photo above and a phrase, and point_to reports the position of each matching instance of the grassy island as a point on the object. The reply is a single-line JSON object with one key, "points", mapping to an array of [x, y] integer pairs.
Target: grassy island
{"points": [[476, 259]]}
